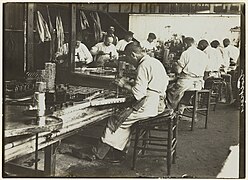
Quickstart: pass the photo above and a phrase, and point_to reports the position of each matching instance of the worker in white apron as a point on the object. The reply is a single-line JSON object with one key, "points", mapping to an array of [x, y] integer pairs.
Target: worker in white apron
{"points": [[151, 82], [190, 69]]}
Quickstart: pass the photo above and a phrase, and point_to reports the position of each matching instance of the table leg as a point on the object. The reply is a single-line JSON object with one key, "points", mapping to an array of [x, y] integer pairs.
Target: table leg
{"points": [[50, 160]]}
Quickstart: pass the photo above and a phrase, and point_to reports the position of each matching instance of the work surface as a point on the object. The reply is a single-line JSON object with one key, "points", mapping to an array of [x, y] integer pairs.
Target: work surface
{"points": [[16, 122], [72, 119], [201, 153]]}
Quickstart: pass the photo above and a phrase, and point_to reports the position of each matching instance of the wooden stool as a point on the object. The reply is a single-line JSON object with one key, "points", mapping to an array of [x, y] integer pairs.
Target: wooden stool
{"points": [[159, 131], [215, 86], [200, 105]]}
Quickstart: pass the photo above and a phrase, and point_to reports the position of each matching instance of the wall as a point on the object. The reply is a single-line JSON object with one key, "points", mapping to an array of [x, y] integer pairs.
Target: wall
{"points": [[209, 27], [13, 51]]}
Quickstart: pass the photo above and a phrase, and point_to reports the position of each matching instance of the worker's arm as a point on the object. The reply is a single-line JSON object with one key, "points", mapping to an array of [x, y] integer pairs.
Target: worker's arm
{"points": [[177, 68], [123, 83], [181, 63], [114, 54], [88, 56], [94, 50]]}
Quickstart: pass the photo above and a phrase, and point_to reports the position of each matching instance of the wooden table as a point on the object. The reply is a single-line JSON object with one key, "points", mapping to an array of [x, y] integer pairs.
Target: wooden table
{"points": [[33, 138]]}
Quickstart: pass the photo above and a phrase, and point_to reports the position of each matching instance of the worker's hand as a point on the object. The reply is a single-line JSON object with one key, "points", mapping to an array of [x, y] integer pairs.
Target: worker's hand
{"points": [[120, 82], [112, 58]]}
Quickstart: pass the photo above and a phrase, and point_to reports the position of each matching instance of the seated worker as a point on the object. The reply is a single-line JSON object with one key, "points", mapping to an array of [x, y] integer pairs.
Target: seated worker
{"points": [[82, 54], [104, 51], [151, 83], [149, 45], [214, 59], [227, 77], [110, 32], [123, 42], [190, 69], [232, 52], [221, 54]]}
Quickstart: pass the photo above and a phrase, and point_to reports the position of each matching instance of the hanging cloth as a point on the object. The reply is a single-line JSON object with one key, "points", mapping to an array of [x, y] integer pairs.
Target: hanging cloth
{"points": [[97, 26], [60, 33], [52, 45], [84, 21], [42, 28]]}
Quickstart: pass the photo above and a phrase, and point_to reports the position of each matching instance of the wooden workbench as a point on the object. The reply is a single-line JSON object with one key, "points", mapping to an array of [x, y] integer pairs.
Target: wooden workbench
{"points": [[22, 137]]}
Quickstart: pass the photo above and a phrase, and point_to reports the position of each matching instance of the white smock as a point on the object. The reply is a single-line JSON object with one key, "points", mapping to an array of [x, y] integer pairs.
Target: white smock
{"points": [[151, 82]]}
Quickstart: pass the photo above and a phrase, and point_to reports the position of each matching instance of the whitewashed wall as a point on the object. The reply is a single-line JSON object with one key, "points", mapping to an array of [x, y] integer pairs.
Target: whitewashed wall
{"points": [[208, 27]]}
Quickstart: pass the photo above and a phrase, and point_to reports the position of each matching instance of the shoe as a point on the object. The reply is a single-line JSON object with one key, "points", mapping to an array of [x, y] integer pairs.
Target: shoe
{"points": [[116, 156], [116, 160]]}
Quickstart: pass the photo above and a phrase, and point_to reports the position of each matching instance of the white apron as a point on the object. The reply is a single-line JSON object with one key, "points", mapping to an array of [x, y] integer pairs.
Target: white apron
{"points": [[120, 137]]}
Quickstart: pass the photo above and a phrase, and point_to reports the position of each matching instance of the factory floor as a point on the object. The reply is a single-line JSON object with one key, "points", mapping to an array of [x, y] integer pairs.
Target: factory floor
{"points": [[200, 153]]}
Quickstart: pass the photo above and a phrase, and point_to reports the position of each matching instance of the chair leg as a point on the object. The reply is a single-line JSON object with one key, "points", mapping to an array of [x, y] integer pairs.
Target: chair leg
{"points": [[144, 143], [216, 100], [207, 113], [169, 147], [135, 148], [194, 113], [175, 123]]}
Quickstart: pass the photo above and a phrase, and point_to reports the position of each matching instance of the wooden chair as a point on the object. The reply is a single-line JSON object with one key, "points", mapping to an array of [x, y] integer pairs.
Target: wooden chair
{"points": [[157, 134], [200, 105], [215, 86]]}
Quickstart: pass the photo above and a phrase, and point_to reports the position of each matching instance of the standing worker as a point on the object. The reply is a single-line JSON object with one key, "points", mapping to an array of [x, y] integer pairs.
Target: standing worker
{"points": [[111, 32]]}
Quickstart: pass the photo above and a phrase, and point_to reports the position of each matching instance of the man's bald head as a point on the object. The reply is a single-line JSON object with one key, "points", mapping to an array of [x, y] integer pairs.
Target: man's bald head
{"points": [[108, 40]]}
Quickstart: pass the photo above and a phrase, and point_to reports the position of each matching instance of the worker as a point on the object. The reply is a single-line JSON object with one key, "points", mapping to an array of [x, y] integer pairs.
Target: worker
{"points": [[123, 42], [151, 82], [110, 32], [82, 54], [176, 47], [149, 45], [227, 77], [104, 51], [215, 60], [190, 69], [232, 52]]}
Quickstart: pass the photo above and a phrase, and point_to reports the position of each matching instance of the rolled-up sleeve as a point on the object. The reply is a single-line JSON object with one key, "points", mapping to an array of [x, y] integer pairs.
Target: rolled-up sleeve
{"points": [[88, 56], [114, 52], [183, 60], [94, 50], [141, 83]]}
